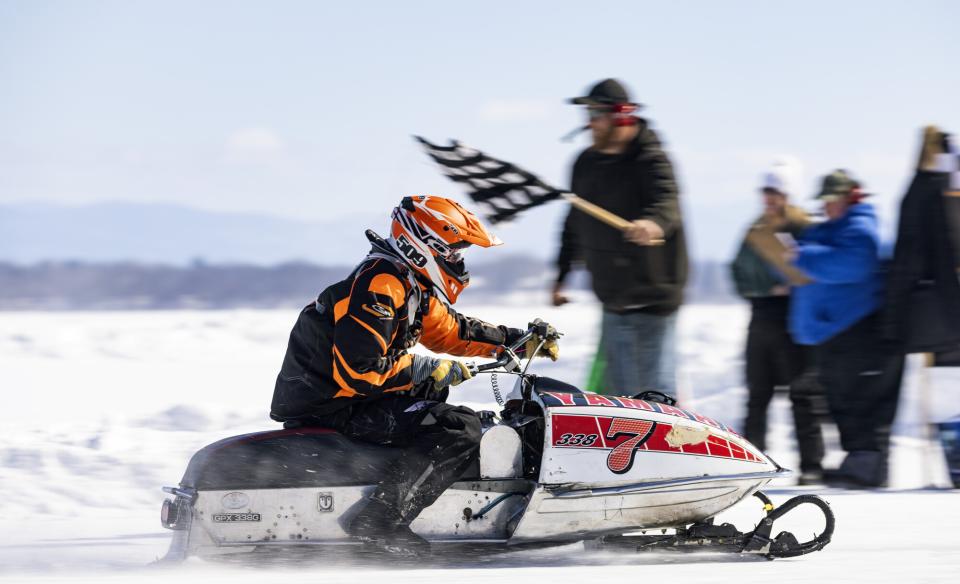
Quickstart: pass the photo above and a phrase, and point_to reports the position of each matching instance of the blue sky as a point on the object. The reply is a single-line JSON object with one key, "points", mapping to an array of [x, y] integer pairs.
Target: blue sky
{"points": [[304, 109]]}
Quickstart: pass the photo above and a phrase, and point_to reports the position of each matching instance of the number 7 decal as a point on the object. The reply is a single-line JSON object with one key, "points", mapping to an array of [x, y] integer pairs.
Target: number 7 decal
{"points": [[620, 458]]}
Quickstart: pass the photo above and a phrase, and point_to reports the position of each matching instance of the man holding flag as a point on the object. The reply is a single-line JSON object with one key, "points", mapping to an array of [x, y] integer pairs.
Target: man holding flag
{"points": [[624, 224], [638, 272]]}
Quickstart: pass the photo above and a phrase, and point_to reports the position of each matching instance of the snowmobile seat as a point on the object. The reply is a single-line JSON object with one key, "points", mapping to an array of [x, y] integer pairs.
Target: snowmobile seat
{"points": [[290, 458]]}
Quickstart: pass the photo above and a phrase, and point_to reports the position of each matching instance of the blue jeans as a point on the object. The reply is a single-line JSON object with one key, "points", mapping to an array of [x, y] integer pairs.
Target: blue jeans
{"points": [[641, 352]]}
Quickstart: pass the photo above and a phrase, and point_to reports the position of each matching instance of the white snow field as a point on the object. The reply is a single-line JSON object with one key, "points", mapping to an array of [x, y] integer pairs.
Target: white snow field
{"points": [[101, 409]]}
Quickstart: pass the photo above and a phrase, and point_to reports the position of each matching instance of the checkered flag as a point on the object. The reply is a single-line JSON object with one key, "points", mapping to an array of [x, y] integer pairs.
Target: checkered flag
{"points": [[503, 188]]}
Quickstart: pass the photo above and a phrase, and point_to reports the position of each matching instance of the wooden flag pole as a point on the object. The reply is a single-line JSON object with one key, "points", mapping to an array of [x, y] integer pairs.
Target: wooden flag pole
{"points": [[597, 212], [764, 241], [601, 214]]}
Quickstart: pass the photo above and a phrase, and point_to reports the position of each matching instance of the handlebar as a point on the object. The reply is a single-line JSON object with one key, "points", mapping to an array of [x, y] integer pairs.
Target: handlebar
{"points": [[508, 358]]}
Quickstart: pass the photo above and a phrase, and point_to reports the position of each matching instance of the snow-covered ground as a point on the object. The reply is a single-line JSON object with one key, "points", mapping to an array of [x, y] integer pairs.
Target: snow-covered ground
{"points": [[99, 410]]}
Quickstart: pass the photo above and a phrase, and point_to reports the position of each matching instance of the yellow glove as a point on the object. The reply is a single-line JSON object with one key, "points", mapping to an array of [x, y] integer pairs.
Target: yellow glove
{"points": [[549, 349], [449, 372]]}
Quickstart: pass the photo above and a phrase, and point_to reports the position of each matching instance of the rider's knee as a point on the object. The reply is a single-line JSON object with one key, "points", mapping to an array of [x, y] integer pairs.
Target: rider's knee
{"points": [[473, 429], [464, 422]]}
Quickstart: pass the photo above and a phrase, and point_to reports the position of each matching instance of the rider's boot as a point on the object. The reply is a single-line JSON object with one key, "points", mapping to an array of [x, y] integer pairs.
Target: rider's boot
{"points": [[381, 524], [446, 444]]}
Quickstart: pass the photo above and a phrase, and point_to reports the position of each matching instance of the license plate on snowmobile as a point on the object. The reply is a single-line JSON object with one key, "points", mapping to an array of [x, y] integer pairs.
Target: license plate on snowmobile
{"points": [[234, 517]]}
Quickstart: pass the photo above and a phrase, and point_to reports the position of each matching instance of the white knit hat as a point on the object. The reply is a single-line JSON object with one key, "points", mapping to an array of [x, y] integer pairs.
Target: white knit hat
{"points": [[771, 180], [783, 175]]}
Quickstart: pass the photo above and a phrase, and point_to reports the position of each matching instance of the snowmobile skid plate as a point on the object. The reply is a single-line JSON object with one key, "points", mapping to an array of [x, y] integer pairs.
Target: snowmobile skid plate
{"points": [[708, 537]]}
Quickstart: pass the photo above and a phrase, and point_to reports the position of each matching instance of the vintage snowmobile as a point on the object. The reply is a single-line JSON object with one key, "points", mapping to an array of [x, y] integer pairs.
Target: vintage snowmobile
{"points": [[559, 466]]}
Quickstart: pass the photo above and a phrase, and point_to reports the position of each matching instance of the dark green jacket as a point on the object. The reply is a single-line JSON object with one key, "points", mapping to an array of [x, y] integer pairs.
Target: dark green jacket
{"points": [[753, 276]]}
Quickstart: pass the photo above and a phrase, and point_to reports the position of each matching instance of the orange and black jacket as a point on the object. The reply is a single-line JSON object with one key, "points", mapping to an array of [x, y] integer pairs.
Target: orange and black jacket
{"points": [[351, 344]]}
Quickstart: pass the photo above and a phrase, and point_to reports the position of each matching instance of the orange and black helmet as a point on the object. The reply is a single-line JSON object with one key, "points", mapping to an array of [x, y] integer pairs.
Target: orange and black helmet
{"points": [[429, 233]]}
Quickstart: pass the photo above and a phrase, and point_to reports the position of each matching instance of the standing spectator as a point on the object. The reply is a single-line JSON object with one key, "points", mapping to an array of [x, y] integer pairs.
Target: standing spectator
{"points": [[837, 313], [772, 358], [638, 274], [923, 295]]}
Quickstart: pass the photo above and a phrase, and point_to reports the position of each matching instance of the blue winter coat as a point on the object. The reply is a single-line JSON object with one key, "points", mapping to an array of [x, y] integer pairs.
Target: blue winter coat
{"points": [[842, 259]]}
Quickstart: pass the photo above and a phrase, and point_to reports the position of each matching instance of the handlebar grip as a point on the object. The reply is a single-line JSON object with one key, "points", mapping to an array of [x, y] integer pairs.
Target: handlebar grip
{"points": [[538, 327], [543, 329], [489, 366]]}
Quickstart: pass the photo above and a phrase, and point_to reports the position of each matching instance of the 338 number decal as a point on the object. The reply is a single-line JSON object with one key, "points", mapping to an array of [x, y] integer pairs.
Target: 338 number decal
{"points": [[576, 440]]}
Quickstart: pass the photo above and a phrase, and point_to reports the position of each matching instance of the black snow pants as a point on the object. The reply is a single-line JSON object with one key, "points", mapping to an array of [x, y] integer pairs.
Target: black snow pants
{"points": [[436, 443], [773, 359], [862, 381]]}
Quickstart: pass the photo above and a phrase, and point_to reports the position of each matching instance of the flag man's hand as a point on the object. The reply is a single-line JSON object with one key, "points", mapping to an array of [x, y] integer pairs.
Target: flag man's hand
{"points": [[643, 232]]}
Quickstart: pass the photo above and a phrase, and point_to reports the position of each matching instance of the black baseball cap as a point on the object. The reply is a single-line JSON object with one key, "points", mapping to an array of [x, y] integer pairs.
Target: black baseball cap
{"points": [[606, 92]]}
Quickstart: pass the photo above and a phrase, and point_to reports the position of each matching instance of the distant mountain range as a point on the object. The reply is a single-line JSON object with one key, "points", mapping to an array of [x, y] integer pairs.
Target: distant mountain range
{"points": [[173, 234]]}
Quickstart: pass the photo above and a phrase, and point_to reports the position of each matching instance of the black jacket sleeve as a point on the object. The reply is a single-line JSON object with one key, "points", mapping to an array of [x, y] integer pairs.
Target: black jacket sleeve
{"points": [[569, 252], [665, 210]]}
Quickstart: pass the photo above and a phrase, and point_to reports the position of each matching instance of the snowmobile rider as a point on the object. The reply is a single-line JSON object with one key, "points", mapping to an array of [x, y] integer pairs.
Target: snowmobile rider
{"points": [[347, 367]]}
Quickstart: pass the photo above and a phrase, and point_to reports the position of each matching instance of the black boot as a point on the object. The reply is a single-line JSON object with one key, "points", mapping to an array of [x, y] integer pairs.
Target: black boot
{"points": [[810, 477], [405, 543], [861, 469], [381, 525]]}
